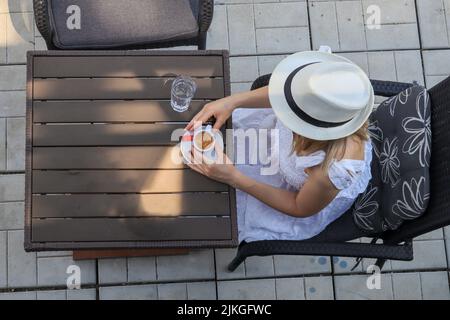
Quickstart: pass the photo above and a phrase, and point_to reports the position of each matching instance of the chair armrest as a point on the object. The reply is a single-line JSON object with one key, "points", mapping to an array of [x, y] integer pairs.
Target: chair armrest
{"points": [[389, 88], [40, 8], [381, 88], [206, 11], [338, 249], [261, 81]]}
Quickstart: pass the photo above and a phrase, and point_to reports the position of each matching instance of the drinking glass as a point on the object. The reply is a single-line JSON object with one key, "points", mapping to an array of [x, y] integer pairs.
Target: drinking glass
{"points": [[183, 90]]}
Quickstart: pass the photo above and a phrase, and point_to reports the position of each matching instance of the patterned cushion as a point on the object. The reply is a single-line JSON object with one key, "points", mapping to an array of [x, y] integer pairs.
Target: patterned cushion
{"points": [[400, 130], [109, 23]]}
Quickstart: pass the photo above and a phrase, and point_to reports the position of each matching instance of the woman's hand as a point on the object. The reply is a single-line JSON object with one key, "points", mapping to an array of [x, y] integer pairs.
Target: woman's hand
{"points": [[220, 109], [221, 169]]}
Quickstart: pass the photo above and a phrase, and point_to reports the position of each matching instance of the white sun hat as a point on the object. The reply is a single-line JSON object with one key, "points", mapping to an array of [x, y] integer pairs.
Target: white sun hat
{"points": [[320, 95]]}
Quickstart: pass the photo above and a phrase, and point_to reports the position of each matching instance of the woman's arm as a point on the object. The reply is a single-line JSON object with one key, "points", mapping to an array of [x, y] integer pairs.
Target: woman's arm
{"points": [[258, 98], [222, 109], [314, 195]]}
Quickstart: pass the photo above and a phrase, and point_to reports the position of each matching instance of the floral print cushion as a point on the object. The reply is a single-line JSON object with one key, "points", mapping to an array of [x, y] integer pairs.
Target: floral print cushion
{"points": [[400, 130]]}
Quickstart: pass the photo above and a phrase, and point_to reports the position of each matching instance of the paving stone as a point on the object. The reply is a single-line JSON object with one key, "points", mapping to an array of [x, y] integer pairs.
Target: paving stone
{"points": [[437, 234], [54, 254], [447, 232], [11, 215], [19, 36], [12, 103], [243, 69], [223, 258], [12, 187], [427, 255], [201, 290], [52, 295], [433, 23], [259, 267], [52, 271], [198, 264], [112, 271], [300, 265], [2, 144], [319, 288], [281, 40], [3, 259], [261, 289], [431, 81], [290, 289], [447, 249], [393, 11], [3, 19], [233, 1], [81, 294], [435, 285], [39, 43], [400, 36], [437, 62], [382, 65], [144, 292], [21, 295], [294, 14], [354, 287], [345, 265], [267, 64], [240, 87], [408, 65], [352, 36], [217, 37], [141, 269], [406, 286], [172, 291], [241, 29], [12, 77], [359, 58], [21, 264], [324, 29], [15, 141]]}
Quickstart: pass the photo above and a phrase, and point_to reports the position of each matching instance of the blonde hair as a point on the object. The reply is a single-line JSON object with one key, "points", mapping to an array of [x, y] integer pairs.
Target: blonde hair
{"points": [[334, 149]]}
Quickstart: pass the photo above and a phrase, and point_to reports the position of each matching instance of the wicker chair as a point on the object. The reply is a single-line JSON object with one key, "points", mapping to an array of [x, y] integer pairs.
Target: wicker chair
{"points": [[118, 24], [396, 245]]}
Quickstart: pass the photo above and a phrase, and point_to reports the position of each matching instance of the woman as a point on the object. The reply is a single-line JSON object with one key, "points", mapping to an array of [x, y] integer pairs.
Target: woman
{"points": [[320, 105]]}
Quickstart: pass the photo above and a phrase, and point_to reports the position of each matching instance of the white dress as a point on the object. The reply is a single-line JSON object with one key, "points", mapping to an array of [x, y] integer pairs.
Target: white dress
{"points": [[257, 221]]}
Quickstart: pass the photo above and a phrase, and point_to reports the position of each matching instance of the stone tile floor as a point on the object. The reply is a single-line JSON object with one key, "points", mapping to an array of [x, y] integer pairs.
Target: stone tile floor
{"points": [[412, 43]]}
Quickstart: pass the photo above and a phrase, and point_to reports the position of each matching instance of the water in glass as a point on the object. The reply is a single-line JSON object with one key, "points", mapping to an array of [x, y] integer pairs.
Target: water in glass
{"points": [[183, 90]]}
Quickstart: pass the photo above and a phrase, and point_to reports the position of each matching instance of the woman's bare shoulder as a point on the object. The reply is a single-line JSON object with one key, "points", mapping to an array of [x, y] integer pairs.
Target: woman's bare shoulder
{"points": [[354, 148]]}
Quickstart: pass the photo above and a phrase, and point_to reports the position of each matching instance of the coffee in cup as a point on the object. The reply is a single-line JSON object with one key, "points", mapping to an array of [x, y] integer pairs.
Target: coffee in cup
{"points": [[203, 140]]}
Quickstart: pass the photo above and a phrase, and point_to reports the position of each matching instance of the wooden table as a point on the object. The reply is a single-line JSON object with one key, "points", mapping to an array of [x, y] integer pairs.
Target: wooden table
{"points": [[99, 172]]}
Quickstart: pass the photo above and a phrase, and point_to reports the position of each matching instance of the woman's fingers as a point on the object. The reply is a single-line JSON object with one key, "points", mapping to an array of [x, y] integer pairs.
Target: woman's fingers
{"points": [[203, 116], [219, 123]]}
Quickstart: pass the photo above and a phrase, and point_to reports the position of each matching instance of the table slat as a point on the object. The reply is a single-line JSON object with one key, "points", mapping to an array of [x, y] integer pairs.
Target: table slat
{"points": [[105, 134], [148, 157], [131, 205], [123, 181], [127, 66], [138, 229], [112, 111], [119, 88]]}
